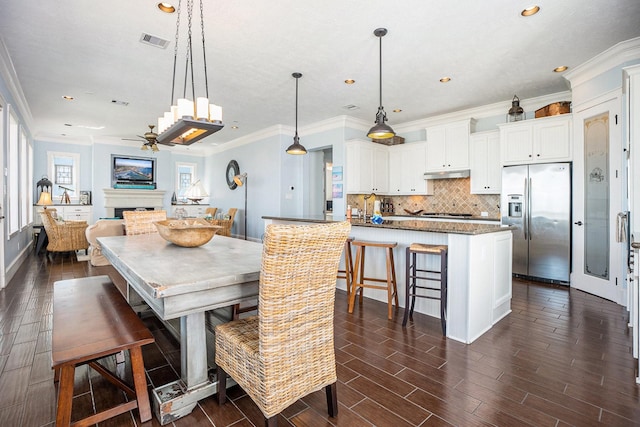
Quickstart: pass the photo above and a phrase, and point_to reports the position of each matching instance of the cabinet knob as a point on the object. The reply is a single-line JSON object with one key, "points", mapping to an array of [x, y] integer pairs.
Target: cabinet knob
{"points": [[530, 155], [538, 155]]}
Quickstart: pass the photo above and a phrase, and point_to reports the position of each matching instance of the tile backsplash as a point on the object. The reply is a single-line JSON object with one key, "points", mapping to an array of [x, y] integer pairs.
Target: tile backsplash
{"points": [[450, 195]]}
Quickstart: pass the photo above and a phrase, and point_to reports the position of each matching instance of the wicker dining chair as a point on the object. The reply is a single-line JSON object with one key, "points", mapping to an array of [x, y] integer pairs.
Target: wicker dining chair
{"points": [[65, 236], [211, 211], [287, 352], [142, 222]]}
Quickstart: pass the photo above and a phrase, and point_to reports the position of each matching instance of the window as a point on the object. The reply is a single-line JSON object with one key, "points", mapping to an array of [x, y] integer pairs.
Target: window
{"points": [[185, 176], [64, 169], [13, 165], [25, 194]]}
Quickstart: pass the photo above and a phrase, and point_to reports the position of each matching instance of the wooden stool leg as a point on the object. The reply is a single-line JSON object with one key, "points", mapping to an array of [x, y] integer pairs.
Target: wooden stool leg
{"points": [[393, 276], [348, 261], [140, 383], [65, 395], [354, 284], [389, 284], [362, 249]]}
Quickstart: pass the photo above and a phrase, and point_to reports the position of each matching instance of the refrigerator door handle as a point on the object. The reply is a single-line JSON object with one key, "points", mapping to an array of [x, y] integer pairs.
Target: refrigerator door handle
{"points": [[529, 219], [525, 223]]}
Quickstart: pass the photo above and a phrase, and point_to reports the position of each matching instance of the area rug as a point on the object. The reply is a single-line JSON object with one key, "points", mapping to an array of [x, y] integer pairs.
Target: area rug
{"points": [[80, 255]]}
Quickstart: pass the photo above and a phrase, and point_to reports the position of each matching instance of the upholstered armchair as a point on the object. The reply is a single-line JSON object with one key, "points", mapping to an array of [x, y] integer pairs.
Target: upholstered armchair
{"points": [[64, 236], [102, 228], [287, 351]]}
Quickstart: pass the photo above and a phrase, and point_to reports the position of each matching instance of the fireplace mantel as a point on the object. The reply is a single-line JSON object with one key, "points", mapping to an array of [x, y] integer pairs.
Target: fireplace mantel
{"points": [[130, 198]]}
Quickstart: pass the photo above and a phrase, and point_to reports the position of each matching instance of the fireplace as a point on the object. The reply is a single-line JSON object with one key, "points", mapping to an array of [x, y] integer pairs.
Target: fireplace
{"points": [[130, 199]]}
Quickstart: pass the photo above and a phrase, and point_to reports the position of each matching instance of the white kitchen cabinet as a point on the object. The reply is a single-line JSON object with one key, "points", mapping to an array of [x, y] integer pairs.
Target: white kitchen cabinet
{"points": [[447, 146], [407, 165], [541, 140], [66, 212], [486, 171], [366, 167], [192, 210]]}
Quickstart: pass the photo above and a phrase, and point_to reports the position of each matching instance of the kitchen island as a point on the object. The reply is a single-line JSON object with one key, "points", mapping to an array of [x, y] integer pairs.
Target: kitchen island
{"points": [[479, 273]]}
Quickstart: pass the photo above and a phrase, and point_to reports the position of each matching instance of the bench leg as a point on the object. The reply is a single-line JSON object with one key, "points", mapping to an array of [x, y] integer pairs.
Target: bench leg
{"points": [[65, 395], [140, 384]]}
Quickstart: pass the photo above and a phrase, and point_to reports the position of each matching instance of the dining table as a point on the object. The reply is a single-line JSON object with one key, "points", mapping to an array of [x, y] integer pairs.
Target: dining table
{"points": [[185, 283]]}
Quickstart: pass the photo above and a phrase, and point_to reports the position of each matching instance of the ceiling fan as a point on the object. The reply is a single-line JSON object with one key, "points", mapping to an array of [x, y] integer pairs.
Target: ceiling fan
{"points": [[150, 140]]}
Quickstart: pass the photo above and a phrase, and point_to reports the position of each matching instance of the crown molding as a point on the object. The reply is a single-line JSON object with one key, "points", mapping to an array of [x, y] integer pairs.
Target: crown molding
{"points": [[9, 75], [489, 110], [268, 132], [88, 140], [614, 56]]}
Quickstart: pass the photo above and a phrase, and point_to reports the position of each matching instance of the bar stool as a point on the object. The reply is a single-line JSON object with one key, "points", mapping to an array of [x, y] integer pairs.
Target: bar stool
{"points": [[347, 273], [413, 275], [359, 279]]}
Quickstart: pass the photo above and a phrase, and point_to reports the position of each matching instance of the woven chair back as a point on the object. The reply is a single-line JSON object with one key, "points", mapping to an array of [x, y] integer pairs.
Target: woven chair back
{"points": [[212, 212], [142, 222], [296, 300]]}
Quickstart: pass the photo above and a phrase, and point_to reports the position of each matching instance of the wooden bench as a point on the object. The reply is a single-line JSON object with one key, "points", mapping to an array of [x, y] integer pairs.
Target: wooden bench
{"points": [[92, 320]]}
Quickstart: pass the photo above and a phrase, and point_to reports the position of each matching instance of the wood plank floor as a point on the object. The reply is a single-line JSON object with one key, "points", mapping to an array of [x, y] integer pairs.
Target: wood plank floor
{"points": [[562, 357]]}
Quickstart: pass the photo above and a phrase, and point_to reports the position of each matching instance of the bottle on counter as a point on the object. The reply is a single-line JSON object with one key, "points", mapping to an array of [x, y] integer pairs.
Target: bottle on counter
{"points": [[349, 212]]}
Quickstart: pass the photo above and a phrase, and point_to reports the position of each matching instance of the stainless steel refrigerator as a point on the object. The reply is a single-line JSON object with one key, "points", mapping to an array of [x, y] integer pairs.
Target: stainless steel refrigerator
{"points": [[536, 199]]}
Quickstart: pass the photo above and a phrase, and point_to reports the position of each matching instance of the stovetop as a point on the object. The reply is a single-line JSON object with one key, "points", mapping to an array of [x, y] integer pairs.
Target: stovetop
{"points": [[463, 215]]}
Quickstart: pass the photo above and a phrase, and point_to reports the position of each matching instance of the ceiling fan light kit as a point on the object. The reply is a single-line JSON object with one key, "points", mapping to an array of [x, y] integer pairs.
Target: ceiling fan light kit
{"points": [[189, 120], [381, 130]]}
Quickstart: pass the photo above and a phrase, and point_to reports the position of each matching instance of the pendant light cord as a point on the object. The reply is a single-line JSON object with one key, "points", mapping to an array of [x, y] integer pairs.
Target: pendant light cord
{"points": [[204, 53], [175, 55], [297, 78], [380, 57]]}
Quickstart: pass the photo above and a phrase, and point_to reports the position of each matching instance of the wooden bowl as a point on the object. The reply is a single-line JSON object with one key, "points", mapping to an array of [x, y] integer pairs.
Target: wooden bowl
{"points": [[188, 233]]}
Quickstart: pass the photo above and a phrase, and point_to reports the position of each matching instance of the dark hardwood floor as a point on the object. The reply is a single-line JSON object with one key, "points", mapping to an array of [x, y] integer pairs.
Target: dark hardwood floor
{"points": [[562, 357]]}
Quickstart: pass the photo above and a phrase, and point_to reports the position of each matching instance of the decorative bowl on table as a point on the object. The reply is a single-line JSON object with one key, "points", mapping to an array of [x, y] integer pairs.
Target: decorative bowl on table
{"points": [[188, 233]]}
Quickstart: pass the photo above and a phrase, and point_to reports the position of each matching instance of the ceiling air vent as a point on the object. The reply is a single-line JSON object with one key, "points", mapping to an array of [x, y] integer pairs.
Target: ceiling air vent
{"points": [[154, 41], [351, 107]]}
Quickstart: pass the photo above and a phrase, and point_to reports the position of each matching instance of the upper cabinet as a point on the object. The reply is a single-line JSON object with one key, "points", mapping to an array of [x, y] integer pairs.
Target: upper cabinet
{"points": [[536, 141], [486, 171], [448, 146], [407, 165], [366, 167]]}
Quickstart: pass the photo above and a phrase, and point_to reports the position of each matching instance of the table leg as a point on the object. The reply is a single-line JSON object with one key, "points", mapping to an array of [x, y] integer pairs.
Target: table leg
{"points": [[178, 398], [42, 239]]}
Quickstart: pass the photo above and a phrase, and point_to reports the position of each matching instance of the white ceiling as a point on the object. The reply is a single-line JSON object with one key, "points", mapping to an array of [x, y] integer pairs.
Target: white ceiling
{"points": [[90, 50]]}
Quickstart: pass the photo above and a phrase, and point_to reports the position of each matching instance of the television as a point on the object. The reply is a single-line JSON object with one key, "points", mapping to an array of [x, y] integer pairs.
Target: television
{"points": [[132, 170]]}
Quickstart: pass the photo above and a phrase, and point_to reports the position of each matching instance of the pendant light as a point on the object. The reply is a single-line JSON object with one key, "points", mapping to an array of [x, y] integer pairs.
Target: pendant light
{"points": [[381, 130], [189, 120], [296, 147]]}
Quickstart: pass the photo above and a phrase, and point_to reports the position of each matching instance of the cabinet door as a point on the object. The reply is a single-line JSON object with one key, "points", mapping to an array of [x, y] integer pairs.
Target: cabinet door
{"points": [[414, 167], [494, 168], [395, 169], [457, 146], [380, 170], [436, 154], [486, 172], [516, 144], [551, 141], [353, 168]]}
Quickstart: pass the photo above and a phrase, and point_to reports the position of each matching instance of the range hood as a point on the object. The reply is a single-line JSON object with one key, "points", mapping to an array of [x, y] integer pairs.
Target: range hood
{"points": [[463, 173]]}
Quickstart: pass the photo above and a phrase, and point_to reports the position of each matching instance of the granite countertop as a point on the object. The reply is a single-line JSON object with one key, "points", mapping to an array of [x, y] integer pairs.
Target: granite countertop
{"points": [[410, 225]]}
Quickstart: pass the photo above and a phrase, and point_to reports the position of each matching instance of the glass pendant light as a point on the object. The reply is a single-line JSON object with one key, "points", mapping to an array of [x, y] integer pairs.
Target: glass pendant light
{"points": [[296, 147], [381, 130]]}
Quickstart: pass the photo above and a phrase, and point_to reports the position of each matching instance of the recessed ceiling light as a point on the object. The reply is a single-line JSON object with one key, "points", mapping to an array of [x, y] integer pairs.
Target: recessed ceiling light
{"points": [[166, 7], [531, 10], [67, 98], [349, 81], [234, 127], [397, 110], [445, 80], [560, 69]]}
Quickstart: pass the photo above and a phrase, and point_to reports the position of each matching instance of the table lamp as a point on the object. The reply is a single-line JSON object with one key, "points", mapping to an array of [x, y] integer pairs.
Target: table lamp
{"points": [[45, 199]]}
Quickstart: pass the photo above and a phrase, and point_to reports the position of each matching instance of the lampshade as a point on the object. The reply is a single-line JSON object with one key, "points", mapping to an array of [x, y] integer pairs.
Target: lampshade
{"points": [[196, 192], [296, 147], [381, 130], [45, 199], [240, 179]]}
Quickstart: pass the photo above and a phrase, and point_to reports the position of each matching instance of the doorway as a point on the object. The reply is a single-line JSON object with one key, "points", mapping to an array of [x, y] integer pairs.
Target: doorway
{"points": [[320, 178]]}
